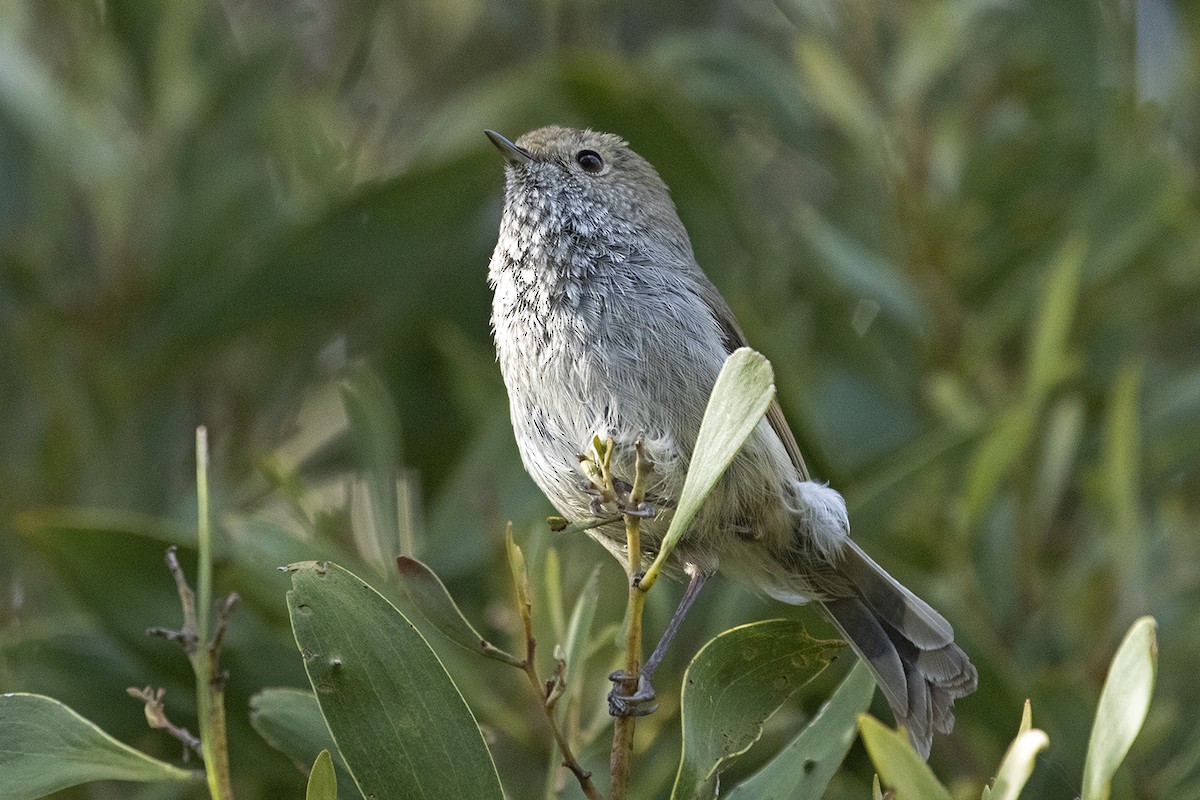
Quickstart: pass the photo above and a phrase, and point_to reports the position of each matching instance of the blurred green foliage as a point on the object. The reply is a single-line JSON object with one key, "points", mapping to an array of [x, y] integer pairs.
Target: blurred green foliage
{"points": [[966, 233]]}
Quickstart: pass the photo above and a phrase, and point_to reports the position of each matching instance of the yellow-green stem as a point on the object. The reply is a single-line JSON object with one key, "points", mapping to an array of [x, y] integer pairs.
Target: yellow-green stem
{"points": [[204, 535], [210, 694], [621, 758]]}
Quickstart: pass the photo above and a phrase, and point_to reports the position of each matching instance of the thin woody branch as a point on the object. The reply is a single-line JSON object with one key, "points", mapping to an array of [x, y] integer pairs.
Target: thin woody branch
{"points": [[547, 693], [156, 718]]}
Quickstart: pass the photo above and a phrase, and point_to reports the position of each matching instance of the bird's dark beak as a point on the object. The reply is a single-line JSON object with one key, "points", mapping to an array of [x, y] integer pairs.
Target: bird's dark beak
{"points": [[512, 154]]}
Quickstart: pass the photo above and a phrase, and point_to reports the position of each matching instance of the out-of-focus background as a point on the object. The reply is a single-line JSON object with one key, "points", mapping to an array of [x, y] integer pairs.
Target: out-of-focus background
{"points": [[965, 232]]}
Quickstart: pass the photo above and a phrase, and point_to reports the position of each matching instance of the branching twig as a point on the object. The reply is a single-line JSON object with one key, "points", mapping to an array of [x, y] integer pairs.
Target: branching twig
{"points": [[547, 693], [547, 698], [156, 718], [223, 616], [186, 637], [202, 646]]}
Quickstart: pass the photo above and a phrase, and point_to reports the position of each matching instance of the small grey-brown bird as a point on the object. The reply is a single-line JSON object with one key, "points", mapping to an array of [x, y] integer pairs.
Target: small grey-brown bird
{"points": [[606, 326]]}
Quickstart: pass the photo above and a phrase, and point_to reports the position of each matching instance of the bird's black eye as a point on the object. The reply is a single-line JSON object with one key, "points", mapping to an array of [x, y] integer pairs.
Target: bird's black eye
{"points": [[589, 161]]}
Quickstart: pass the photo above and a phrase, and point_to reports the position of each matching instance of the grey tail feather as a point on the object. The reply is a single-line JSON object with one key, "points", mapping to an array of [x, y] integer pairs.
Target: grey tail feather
{"points": [[909, 646]]}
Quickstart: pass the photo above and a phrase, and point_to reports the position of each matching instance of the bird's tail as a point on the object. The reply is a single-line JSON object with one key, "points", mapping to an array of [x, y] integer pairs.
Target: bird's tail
{"points": [[909, 646]]}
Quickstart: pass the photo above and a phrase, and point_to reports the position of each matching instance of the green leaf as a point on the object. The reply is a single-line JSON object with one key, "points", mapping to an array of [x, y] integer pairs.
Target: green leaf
{"points": [[1124, 702], [1122, 471], [115, 543], [322, 781], [859, 272], [45, 746], [733, 685], [1026, 718], [841, 95], [397, 718], [290, 721], [520, 576], [429, 595], [743, 391], [1048, 360], [803, 769], [1018, 764], [579, 629], [898, 765]]}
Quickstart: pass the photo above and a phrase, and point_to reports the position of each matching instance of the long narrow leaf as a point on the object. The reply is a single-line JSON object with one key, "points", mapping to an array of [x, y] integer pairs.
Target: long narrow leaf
{"points": [[579, 629], [427, 592], [396, 717], [290, 721], [742, 393], [1018, 764], [1124, 702]]}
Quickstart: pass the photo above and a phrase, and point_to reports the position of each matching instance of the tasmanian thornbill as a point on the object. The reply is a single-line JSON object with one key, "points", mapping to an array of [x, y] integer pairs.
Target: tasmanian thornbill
{"points": [[606, 326]]}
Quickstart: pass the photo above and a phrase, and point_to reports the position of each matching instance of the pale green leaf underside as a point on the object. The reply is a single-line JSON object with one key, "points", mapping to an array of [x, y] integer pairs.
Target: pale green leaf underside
{"points": [[742, 393], [1124, 702]]}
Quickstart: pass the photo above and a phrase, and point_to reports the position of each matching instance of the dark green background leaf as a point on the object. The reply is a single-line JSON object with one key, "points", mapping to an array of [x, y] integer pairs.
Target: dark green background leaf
{"points": [[290, 720]]}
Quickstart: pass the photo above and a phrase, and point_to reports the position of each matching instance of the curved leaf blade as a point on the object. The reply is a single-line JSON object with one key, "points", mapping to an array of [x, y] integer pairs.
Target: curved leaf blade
{"points": [[803, 769], [290, 721], [1018, 764], [740, 398], [1124, 702], [732, 686], [46, 746], [396, 717], [429, 595]]}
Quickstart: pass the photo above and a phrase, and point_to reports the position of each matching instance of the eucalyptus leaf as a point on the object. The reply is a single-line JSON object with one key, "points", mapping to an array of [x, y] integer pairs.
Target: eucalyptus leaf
{"points": [[1124, 702], [803, 769], [45, 746], [579, 629], [733, 685], [1026, 718], [861, 273], [839, 93], [1048, 345], [397, 718]]}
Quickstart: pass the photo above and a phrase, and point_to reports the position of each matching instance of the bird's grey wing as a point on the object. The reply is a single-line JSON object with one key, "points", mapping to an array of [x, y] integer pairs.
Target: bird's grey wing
{"points": [[733, 338]]}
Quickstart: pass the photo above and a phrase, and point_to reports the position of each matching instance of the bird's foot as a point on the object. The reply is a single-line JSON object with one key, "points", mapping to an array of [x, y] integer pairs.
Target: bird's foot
{"points": [[622, 501], [638, 704]]}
